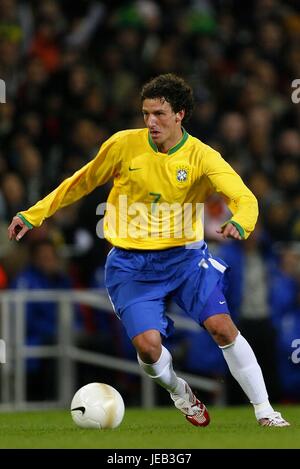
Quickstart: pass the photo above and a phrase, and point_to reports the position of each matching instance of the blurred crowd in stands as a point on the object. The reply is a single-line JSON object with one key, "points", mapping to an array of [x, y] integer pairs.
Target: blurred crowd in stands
{"points": [[73, 71]]}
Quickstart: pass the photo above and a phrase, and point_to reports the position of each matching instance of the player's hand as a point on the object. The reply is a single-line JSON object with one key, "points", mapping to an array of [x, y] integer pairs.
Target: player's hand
{"points": [[17, 229], [229, 231]]}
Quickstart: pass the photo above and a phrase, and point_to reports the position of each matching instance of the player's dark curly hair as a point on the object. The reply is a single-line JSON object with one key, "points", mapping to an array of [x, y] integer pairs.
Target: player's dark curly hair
{"points": [[174, 89]]}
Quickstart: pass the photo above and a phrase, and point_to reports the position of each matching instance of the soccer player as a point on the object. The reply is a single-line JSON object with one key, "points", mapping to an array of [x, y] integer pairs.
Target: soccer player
{"points": [[162, 176]]}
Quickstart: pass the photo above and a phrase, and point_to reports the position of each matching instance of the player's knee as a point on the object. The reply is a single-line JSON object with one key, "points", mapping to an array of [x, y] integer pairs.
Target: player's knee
{"points": [[222, 329], [148, 346]]}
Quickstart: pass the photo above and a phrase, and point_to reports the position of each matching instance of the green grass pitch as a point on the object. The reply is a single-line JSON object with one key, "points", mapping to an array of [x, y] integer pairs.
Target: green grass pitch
{"points": [[164, 427]]}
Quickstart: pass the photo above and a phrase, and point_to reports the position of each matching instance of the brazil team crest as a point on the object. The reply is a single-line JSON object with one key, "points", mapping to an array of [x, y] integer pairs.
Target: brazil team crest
{"points": [[182, 174]]}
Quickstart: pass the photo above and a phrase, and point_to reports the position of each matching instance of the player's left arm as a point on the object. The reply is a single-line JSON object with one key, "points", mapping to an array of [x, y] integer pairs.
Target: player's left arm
{"points": [[240, 200]]}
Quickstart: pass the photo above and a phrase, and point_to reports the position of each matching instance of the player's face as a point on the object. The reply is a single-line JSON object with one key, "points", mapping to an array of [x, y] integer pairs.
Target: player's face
{"points": [[163, 123]]}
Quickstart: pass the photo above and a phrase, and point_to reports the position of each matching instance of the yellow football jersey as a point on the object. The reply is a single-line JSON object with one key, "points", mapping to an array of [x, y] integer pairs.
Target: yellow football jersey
{"points": [[157, 198]]}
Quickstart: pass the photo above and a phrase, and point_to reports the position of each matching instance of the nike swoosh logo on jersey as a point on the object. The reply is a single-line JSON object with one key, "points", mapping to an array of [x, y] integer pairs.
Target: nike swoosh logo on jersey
{"points": [[82, 409], [222, 302], [133, 169]]}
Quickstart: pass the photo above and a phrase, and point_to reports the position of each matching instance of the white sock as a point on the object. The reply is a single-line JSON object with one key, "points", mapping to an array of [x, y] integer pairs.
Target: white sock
{"points": [[244, 368], [162, 372], [263, 410]]}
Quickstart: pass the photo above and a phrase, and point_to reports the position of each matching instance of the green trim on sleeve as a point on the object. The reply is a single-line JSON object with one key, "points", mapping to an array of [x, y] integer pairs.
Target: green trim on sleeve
{"points": [[27, 223], [238, 227]]}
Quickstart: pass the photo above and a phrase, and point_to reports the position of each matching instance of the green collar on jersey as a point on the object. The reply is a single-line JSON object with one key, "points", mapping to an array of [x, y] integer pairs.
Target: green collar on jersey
{"points": [[173, 149]]}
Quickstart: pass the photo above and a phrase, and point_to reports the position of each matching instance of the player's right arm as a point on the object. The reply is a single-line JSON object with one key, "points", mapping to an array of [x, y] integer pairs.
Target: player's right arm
{"points": [[97, 172]]}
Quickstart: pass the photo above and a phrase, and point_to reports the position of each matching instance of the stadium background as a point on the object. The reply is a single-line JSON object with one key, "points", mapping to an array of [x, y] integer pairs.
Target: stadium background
{"points": [[73, 72]]}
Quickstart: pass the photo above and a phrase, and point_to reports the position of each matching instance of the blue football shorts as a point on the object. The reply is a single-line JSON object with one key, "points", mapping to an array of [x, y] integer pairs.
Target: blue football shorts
{"points": [[139, 283]]}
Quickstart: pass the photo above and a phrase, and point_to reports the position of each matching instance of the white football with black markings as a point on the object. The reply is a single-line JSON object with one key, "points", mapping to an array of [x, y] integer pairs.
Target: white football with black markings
{"points": [[97, 405]]}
